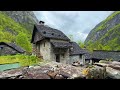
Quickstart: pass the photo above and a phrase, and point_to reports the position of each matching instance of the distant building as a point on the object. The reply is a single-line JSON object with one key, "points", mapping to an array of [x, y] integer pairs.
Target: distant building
{"points": [[77, 53], [54, 45], [10, 49], [98, 55]]}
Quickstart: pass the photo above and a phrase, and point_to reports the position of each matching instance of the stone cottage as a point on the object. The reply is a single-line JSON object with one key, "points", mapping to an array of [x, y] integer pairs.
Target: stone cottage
{"points": [[10, 49], [76, 54], [52, 44]]}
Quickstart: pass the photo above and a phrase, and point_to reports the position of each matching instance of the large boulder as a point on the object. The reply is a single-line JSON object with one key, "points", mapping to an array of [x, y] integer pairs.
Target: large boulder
{"points": [[95, 72], [113, 73]]}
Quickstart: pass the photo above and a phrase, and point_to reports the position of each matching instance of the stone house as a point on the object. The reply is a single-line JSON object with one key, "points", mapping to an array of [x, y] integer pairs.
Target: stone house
{"points": [[76, 54], [10, 49], [53, 45]]}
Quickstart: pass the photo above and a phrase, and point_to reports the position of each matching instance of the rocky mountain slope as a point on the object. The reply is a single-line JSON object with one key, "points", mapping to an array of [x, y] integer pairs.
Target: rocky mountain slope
{"points": [[105, 35], [25, 18], [13, 23]]}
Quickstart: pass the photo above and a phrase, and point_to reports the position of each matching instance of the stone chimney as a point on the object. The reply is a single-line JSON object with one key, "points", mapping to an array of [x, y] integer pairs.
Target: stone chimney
{"points": [[41, 22]]}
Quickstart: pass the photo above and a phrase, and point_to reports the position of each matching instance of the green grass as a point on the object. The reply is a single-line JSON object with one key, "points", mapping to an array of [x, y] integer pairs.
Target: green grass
{"points": [[24, 60]]}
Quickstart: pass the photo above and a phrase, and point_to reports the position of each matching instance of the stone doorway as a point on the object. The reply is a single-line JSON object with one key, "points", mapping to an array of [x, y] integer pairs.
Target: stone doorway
{"points": [[57, 57]]}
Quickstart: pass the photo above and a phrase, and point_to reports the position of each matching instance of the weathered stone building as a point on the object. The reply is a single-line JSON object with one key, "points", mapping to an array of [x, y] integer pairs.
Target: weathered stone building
{"points": [[52, 44], [76, 53], [10, 49]]}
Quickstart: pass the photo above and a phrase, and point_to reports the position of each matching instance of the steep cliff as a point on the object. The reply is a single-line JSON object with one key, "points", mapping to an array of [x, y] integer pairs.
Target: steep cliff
{"points": [[26, 18], [105, 35]]}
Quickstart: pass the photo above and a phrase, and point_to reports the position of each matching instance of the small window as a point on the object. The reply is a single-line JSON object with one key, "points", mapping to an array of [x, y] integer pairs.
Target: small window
{"points": [[80, 56], [44, 32], [44, 44], [63, 55], [1, 48], [52, 33]]}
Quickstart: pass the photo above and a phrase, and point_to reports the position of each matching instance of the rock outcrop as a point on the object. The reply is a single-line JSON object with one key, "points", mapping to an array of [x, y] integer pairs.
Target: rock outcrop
{"points": [[112, 69], [25, 18]]}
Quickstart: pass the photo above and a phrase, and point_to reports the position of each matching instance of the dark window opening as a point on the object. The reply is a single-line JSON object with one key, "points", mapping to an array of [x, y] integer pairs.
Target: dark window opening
{"points": [[44, 32], [63, 55], [57, 58], [1, 48], [59, 35], [44, 44], [52, 33], [80, 56]]}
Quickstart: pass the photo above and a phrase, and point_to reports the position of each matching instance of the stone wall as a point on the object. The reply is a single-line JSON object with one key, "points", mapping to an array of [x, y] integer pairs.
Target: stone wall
{"points": [[6, 50], [64, 58], [46, 50], [75, 58]]}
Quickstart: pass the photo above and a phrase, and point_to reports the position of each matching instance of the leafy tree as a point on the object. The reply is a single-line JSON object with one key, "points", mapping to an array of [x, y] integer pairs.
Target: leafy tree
{"points": [[107, 47], [22, 40], [81, 44]]}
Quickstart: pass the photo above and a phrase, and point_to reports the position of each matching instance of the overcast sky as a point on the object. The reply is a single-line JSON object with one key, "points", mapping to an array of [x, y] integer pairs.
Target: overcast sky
{"points": [[76, 23]]}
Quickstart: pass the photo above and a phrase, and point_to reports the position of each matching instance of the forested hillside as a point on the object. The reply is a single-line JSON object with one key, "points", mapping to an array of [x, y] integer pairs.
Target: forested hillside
{"points": [[12, 28]]}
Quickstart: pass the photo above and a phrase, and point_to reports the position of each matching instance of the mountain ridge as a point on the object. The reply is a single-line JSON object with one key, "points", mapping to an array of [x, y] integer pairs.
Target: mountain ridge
{"points": [[105, 35]]}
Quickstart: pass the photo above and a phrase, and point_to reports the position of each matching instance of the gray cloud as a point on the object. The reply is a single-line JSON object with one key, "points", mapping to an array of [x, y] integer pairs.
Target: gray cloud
{"points": [[77, 23]]}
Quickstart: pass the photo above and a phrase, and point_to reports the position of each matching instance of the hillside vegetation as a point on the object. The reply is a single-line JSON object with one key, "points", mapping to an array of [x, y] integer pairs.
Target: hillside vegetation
{"points": [[10, 30], [106, 35]]}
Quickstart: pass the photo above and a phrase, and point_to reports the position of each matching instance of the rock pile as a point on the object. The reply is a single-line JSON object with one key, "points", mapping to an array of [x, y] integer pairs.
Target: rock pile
{"points": [[51, 70], [54, 70], [112, 69]]}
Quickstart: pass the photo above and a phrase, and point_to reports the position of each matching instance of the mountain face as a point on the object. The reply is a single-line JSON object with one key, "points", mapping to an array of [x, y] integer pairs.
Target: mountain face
{"points": [[17, 24], [105, 35], [26, 18]]}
